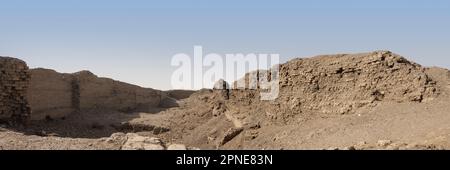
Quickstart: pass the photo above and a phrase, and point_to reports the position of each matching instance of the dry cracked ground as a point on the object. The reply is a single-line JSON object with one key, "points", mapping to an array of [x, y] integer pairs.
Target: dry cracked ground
{"points": [[376, 100]]}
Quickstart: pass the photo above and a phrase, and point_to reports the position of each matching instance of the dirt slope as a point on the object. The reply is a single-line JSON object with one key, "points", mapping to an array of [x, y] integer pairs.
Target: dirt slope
{"points": [[328, 101]]}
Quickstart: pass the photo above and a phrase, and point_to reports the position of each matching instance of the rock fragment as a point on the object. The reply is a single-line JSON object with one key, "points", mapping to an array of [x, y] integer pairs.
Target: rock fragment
{"points": [[137, 142], [230, 134], [176, 147], [384, 143]]}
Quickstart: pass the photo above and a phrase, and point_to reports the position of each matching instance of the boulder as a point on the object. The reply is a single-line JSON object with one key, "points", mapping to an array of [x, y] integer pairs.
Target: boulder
{"points": [[176, 147], [137, 142]]}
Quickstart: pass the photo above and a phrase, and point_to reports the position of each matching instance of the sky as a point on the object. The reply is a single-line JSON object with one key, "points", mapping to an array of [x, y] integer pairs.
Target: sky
{"points": [[134, 40]]}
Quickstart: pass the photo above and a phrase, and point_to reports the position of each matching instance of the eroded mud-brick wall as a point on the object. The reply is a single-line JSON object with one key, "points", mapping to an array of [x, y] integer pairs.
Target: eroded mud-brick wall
{"points": [[14, 79], [57, 95], [50, 94]]}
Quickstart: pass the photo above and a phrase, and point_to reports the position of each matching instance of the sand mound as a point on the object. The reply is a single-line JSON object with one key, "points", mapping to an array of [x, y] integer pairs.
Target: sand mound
{"points": [[322, 85], [343, 83]]}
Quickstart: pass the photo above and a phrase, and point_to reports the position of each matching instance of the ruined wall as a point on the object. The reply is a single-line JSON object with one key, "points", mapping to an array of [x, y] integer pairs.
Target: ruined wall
{"points": [[50, 94], [338, 84], [343, 83], [106, 93], [179, 94], [13, 85], [57, 95]]}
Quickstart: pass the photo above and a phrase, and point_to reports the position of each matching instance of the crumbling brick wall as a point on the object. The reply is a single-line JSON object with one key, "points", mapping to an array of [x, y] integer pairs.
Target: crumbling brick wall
{"points": [[57, 95], [104, 93], [50, 94], [38, 94], [14, 79]]}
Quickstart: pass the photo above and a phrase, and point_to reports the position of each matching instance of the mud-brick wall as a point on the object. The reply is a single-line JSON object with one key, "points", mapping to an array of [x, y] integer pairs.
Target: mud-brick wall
{"points": [[50, 94], [96, 92], [14, 79], [57, 95], [38, 94]]}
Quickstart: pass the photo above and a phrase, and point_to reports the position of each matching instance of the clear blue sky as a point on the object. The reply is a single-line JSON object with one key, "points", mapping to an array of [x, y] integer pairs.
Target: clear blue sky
{"points": [[134, 40]]}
